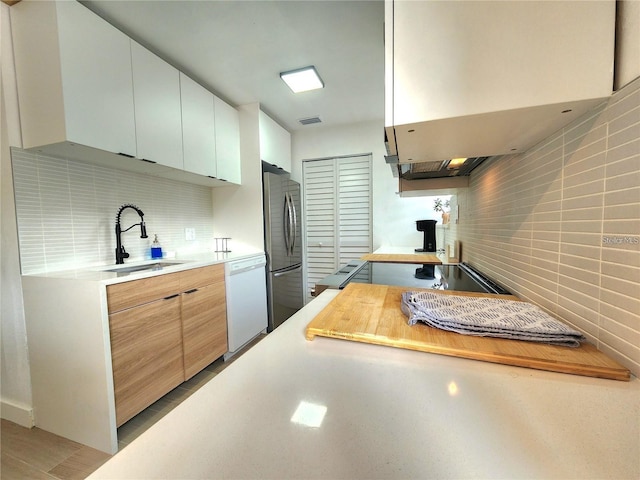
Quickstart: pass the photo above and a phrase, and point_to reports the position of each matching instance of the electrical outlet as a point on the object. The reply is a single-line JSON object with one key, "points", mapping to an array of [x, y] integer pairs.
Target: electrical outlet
{"points": [[189, 233]]}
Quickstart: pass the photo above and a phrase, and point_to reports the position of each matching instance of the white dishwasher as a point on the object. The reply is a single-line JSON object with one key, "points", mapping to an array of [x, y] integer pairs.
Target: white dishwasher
{"points": [[245, 281]]}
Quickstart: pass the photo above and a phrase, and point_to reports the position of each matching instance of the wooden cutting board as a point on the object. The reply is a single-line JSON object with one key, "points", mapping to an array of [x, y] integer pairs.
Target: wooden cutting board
{"points": [[371, 314], [422, 258]]}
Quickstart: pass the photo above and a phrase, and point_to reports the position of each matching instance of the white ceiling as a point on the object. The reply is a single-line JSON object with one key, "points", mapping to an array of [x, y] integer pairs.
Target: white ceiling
{"points": [[238, 48]]}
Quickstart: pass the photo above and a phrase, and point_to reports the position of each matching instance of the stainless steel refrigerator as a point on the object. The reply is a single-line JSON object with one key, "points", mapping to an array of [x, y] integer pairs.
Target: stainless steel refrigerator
{"points": [[283, 246]]}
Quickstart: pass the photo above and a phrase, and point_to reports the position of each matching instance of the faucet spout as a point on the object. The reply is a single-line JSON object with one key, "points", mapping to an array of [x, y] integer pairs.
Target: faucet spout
{"points": [[121, 253]]}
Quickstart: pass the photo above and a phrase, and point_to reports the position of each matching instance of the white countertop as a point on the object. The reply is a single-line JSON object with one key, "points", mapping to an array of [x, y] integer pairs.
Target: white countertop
{"points": [[390, 413], [101, 273], [387, 250], [400, 251]]}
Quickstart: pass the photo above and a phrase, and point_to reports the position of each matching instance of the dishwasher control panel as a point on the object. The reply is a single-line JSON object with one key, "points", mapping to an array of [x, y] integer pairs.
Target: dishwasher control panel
{"points": [[235, 266]]}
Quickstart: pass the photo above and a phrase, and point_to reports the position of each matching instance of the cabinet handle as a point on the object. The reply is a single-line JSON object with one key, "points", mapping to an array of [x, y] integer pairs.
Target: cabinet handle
{"points": [[126, 155], [191, 291], [148, 161], [172, 296]]}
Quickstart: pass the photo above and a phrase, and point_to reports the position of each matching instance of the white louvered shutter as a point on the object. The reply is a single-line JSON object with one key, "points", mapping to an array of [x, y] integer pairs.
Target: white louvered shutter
{"points": [[337, 207], [320, 219], [354, 208]]}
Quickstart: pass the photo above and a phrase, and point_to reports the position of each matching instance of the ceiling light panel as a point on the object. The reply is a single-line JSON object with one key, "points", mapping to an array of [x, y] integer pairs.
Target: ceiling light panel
{"points": [[302, 79]]}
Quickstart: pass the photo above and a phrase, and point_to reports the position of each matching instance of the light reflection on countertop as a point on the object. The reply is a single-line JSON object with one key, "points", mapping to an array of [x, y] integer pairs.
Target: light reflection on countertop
{"points": [[453, 389], [309, 414]]}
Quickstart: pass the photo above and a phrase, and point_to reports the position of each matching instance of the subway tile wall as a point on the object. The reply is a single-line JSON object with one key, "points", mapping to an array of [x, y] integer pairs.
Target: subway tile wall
{"points": [[559, 225], [66, 213]]}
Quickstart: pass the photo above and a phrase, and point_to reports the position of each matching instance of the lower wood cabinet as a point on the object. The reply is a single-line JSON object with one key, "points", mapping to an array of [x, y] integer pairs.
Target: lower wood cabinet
{"points": [[160, 339], [203, 340], [146, 354]]}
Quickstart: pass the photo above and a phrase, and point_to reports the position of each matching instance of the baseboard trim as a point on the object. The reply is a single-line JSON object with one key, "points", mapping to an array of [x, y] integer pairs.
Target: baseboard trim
{"points": [[20, 414]]}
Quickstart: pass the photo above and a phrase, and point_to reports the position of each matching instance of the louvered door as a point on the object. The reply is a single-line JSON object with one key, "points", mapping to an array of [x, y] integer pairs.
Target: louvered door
{"points": [[354, 208], [337, 205], [320, 194]]}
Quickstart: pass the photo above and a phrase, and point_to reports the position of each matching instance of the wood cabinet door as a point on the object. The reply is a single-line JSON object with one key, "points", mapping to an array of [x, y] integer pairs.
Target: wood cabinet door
{"points": [[146, 351], [204, 326], [125, 295]]}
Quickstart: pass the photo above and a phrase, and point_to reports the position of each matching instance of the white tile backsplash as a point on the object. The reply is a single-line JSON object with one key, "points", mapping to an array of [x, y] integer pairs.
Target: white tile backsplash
{"points": [[576, 196], [66, 213]]}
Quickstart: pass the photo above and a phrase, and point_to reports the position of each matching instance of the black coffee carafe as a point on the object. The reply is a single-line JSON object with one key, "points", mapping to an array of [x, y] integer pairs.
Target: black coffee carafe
{"points": [[429, 229]]}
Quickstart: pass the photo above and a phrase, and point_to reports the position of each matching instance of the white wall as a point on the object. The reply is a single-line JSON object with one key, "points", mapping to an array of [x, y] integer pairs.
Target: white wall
{"points": [[238, 209], [393, 217], [15, 390]]}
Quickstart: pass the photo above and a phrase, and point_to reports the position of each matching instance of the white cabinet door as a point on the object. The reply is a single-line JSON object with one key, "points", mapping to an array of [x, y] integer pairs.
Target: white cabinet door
{"points": [[275, 143], [74, 77], [468, 79], [156, 88], [198, 128], [227, 142], [463, 58]]}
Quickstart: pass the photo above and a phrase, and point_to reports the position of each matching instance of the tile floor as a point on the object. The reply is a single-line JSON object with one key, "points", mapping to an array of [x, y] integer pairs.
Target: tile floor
{"points": [[36, 454]]}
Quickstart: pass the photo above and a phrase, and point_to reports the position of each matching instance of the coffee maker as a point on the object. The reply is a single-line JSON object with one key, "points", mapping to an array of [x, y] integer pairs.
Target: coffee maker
{"points": [[429, 245], [429, 229]]}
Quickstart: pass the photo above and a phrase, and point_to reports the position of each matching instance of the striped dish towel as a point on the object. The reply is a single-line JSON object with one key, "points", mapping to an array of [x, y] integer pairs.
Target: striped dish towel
{"points": [[488, 317]]}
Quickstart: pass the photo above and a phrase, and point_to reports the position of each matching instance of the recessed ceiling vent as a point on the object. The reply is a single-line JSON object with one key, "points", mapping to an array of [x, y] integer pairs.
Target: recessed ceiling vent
{"points": [[310, 120]]}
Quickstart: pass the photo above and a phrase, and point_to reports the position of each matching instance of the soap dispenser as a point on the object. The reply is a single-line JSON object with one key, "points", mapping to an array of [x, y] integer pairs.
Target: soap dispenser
{"points": [[156, 249]]}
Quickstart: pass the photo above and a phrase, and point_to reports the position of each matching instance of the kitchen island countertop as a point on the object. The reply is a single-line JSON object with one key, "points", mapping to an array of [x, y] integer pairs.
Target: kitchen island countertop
{"points": [[290, 408]]}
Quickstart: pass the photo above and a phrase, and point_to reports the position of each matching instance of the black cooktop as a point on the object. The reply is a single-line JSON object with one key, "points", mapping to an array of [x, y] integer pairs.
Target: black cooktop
{"points": [[461, 277]]}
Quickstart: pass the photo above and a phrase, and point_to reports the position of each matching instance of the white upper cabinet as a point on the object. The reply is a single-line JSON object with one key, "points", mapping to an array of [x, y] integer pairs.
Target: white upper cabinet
{"points": [[476, 78], [156, 97], [74, 77], [227, 142], [198, 128], [87, 92], [275, 143]]}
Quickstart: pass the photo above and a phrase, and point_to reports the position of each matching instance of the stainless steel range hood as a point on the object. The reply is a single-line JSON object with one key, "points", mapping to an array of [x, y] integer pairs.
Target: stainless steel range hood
{"points": [[446, 168], [439, 169], [433, 169], [430, 176]]}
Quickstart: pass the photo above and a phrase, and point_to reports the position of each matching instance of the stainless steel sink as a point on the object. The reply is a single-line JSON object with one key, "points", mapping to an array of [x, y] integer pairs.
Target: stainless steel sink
{"points": [[121, 271]]}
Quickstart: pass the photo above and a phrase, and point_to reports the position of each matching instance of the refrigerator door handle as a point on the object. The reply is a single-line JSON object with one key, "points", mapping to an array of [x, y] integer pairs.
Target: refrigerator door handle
{"points": [[286, 222], [290, 225], [294, 224], [286, 272]]}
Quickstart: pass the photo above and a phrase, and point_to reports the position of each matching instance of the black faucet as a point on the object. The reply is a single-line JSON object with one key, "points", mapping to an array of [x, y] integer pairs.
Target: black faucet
{"points": [[121, 254]]}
